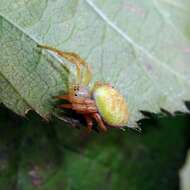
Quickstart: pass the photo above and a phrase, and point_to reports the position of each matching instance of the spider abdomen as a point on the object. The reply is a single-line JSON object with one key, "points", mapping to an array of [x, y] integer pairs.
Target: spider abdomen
{"points": [[111, 105]]}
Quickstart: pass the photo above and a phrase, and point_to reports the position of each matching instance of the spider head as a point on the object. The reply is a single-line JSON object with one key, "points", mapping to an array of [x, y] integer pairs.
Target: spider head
{"points": [[79, 91]]}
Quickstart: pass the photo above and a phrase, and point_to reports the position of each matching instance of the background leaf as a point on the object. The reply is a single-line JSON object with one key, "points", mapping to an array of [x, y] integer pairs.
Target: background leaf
{"points": [[141, 47], [37, 155]]}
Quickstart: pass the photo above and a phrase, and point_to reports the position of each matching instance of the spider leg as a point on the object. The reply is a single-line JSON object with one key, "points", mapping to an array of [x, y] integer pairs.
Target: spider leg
{"points": [[83, 100], [71, 121], [75, 59], [75, 100], [89, 123], [67, 106], [87, 75], [99, 121], [63, 97], [84, 109]]}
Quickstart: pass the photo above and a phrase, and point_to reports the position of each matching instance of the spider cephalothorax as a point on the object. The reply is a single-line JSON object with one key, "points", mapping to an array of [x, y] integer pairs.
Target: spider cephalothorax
{"points": [[102, 103]]}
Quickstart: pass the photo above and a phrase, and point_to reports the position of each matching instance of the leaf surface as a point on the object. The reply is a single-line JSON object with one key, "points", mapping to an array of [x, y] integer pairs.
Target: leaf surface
{"points": [[140, 47]]}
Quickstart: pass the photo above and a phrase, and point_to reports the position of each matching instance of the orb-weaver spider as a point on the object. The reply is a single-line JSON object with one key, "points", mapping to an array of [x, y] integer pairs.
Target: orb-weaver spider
{"points": [[102, 103]]}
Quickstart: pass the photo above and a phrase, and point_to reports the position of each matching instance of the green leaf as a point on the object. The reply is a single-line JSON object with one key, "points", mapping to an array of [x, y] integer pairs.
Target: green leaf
{"points": [[37, 155], [28, 78], [140, 47]]}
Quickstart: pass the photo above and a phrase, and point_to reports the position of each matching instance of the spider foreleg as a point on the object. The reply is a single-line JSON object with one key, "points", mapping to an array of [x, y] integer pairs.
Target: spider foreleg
{"points": [[84, 109], [75, 59], [70, 56], [67, 106], [62, 97], [82, 100]]}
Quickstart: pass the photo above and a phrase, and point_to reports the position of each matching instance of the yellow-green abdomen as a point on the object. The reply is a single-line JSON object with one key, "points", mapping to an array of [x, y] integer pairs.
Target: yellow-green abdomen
{"points": [[111, 105]]}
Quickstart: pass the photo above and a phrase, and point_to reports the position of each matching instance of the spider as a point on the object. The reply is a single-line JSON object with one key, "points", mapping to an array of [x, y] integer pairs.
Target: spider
{"points": [[102, 103]]}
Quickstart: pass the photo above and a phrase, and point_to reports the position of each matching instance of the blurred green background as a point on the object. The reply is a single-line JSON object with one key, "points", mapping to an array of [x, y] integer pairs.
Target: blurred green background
{"points": [[35, 154]]}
